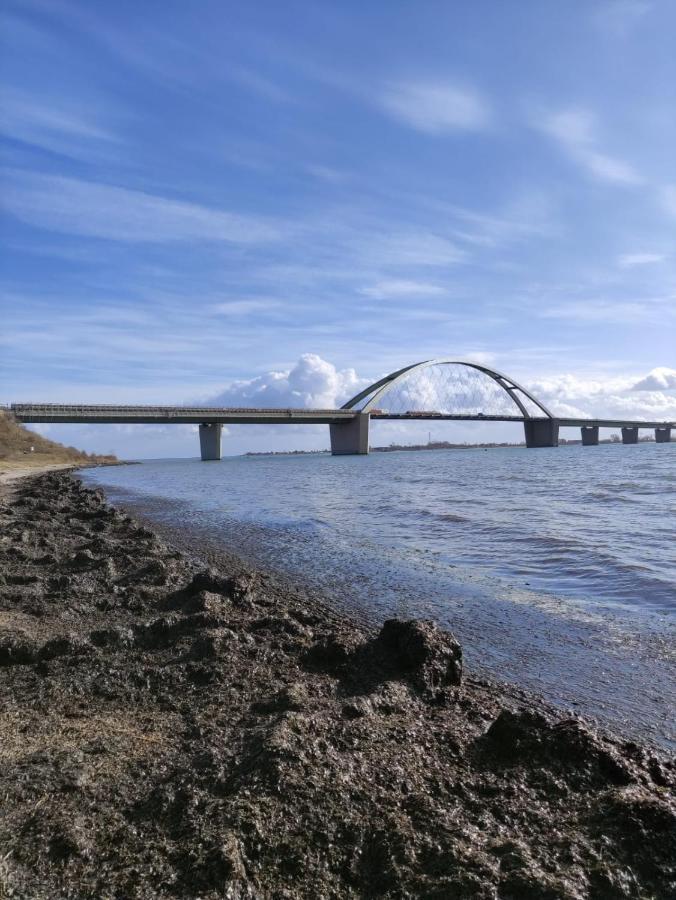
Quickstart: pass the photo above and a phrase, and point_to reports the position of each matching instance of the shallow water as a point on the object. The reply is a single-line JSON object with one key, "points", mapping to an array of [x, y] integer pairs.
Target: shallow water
{"points": [[556, 567]]}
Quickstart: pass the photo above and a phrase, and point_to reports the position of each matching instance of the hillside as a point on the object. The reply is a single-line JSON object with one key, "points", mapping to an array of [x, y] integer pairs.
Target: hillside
{"points": [[19, 446]]}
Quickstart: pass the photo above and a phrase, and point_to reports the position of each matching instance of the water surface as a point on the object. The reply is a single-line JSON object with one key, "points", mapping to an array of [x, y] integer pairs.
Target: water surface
{"points": [[556, 568]]}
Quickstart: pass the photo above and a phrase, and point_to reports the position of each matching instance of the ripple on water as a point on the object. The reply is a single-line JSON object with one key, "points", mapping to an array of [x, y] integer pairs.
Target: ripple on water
{"points": [[514, 550]]}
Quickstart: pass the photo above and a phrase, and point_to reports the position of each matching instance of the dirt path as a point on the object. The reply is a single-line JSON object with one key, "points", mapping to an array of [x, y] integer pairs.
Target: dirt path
{"points": [[170, 731]]}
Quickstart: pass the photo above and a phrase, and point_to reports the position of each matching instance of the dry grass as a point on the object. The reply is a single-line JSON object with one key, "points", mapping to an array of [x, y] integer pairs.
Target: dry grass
{"points": [[125, 735], [19, 446]]}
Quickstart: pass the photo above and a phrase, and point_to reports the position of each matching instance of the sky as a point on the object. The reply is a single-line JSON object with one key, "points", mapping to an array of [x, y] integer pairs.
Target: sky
{"points": [[282, 202]]}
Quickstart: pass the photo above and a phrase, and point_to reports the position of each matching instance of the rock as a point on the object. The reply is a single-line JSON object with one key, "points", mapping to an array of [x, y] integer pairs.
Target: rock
{"points": [[209, 580], [432, 658], [83, 559], [292, 697], [357, 708], [16, 648], [332, 650], [66, 645], [225, 862], [205, 601], [117, 636], [526, 737]]}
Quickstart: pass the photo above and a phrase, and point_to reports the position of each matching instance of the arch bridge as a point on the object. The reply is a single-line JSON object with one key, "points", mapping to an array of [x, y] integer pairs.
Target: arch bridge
{"points": [[436, 389]]}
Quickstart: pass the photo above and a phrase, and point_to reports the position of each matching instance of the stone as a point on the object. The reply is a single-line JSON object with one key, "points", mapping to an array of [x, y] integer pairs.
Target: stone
{"points": [[432, 658], [16, 648]]}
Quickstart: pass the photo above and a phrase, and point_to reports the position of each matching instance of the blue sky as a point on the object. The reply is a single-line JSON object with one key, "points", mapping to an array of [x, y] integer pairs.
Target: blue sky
{"points": [[199, 199]]}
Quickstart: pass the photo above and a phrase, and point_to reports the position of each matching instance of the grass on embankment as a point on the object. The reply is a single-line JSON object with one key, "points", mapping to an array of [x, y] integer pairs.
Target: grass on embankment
{"points": [[21, 448]]}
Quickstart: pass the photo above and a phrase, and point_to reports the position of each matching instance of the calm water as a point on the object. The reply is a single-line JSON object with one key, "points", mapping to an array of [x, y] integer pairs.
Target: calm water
{"points": [[556, 568]]}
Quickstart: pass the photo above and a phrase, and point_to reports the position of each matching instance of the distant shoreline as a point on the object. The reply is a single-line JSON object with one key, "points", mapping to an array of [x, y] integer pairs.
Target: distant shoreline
{"points": [[438, 445]]}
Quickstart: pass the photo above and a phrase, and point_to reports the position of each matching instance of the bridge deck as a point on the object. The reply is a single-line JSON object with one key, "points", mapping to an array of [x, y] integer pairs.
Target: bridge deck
{"points": [[195, 415]]}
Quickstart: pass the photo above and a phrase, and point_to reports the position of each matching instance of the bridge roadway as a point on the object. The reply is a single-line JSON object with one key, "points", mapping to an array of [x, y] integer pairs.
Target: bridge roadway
{"points": [[349, 428]]}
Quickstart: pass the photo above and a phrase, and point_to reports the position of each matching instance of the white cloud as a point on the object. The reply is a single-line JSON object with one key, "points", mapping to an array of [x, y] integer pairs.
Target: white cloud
{"points": [[572, 396], [611, 311], [618, 18], [394, 288], [73, 206], [627, 260], [52, 124], [660, 379], [657, 309], [436, 107], [410, 249], [244, 307], [311, 383], [575, 131], [669, 199], [315, 383]]}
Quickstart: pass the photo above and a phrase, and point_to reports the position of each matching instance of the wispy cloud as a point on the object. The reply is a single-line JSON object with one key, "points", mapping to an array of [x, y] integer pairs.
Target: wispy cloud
{"points": [[575, 131], [619, 18], [668, 196], [52, 125], [401, 288], [628, 260], [613, 312], [436, 107], [73, 206], [244, 307], [410, 248]]}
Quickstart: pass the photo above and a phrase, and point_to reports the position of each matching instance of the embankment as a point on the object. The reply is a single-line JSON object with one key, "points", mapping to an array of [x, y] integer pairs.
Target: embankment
{"points": [[22, 450], [169, 730]]}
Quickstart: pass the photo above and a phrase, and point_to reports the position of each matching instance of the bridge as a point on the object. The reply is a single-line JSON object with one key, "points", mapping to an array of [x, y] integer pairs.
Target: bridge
{"points": [[437, 389]]}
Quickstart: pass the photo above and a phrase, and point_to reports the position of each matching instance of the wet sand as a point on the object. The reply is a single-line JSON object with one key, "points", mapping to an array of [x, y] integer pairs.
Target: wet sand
{"points": [[174, 730]]}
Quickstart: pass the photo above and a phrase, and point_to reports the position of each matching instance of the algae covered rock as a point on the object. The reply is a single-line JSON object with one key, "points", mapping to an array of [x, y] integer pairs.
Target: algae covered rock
{"points": [[431, 658]]}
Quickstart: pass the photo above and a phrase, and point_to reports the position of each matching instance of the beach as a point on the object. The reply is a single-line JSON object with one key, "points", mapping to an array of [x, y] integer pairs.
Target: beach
{"points": [[170, 729]]}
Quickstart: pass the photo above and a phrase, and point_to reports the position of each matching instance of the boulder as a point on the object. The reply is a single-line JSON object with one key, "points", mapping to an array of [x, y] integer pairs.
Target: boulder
{"points": [[429, 657]]}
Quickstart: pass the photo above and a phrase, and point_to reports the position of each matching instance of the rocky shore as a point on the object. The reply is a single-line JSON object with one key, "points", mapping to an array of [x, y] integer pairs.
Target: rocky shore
{"points": [[169, 730]]}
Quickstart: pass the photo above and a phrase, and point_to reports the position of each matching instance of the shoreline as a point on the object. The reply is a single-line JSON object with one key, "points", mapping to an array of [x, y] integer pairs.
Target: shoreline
{"points": [[185, 729], [601, 663]]}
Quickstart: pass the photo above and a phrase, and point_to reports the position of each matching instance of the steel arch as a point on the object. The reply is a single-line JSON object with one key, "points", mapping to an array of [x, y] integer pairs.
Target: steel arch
{"points": [[509, 385]]}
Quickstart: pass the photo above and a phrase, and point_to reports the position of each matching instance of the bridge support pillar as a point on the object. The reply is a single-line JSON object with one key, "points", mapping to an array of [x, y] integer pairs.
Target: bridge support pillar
{"points": [[590, 435], [663, 434], [210, 440], [351, 436], [541, 432], [630, 435]]}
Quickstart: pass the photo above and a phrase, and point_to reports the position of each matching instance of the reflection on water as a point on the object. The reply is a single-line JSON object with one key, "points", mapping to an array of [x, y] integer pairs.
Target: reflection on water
{"points": [[556, 567]]}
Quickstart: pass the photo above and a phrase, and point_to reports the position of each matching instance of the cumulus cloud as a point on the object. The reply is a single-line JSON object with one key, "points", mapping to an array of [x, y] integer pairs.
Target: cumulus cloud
{"points": [[314, 382], [311, 383], [660, 379], [570, 396], [437, 107]]}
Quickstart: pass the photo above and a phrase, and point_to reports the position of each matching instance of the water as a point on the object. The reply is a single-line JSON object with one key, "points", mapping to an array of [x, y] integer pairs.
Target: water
{"points": [[555, 568]]}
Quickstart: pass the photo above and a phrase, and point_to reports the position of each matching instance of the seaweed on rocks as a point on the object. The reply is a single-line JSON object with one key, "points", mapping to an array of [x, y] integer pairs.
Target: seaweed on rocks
{"points": [[169, 730]]}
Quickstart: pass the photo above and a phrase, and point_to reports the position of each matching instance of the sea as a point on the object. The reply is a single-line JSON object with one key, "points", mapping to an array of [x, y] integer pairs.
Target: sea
{"points": [[555, 567]]}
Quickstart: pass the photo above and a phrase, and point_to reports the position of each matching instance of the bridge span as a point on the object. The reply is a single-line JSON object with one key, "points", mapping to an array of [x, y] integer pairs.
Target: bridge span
{"points": [[438, 390]]}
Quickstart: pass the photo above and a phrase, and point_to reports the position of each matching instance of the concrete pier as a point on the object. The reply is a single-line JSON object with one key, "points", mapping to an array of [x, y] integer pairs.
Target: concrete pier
{"points": [[630, 435], [663, 435], [590, 435], [541, 432], [210, 440], [350, 437]]}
